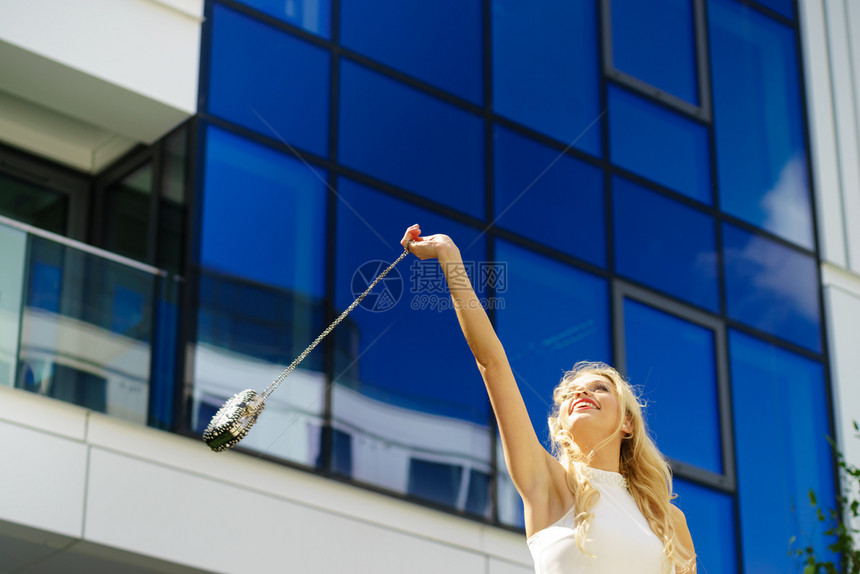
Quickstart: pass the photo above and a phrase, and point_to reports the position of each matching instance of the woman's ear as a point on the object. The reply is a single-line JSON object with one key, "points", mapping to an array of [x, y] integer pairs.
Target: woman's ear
{"points": [[627, 427]]}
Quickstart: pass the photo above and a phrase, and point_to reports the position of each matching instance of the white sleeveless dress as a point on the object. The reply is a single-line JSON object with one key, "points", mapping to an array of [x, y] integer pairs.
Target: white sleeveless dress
{"points": [[619, 537]]}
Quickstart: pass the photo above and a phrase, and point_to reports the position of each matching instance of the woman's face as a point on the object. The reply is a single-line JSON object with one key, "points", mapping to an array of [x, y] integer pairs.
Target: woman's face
{"points": [[590, 410]]}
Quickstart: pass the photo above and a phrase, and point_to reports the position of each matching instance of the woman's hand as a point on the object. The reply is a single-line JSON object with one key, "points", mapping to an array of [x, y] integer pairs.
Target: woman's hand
{"points": [[430, 247]]}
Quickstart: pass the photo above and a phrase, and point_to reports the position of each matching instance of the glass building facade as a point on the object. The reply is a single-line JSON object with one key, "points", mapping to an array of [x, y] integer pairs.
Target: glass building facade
{"points": [[627, 181]]}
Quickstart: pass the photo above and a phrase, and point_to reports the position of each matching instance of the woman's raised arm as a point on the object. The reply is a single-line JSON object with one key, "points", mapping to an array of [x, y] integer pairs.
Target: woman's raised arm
{"points": [[530, 465]]}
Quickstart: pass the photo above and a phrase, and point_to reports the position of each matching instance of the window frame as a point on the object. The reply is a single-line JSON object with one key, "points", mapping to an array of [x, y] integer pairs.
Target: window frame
{"points": [[704, 111], [127, 165], [75, 186], [621, 290]]}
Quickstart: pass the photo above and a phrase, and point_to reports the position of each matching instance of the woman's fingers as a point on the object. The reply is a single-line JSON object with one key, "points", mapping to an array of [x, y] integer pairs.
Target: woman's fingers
{"points": [[413, 233]]}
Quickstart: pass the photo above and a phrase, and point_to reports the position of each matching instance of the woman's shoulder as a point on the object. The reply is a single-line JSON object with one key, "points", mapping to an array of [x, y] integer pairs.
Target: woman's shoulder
{"points": [[682, 531], [678, 517]]}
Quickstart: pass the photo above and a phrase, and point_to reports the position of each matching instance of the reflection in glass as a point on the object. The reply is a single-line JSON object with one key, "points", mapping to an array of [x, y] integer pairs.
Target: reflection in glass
{"points": [[509, 502], [761, 155], [312, 15], [34, 205], [673, 363], [659, 144], [554, 316], [254, 71], [771, 287], [247, 333], [13, 244], [406, 36], [260, 290], [435, 481], [781, 428], [418, 422], [263, 214], [546, 69], [291, 427], [711, 519], [664, 244], [414, 141], [529, 177], [86, 331], [164, 380], [127, 214], [430, 456], [655, 41]]}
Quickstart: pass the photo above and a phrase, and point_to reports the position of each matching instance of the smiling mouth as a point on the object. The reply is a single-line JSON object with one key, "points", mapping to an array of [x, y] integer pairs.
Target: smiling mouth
{"points": [[583, 404]]}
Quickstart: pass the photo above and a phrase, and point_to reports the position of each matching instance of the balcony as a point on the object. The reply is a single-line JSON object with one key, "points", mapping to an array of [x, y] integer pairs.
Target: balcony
{"points": [[86, 326]]}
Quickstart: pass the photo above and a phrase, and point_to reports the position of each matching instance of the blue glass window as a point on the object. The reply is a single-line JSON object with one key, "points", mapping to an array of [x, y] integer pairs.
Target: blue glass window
{"points": [[539, 192], [554, 315], [771, 287], [711, 519], [659, 144], [163, 387], [781, 424], [406, 36], [402, 136], [784, 7], [364, 220], [673, 362], [655, 41], [433, 408], [546, 70], [263, 214], [312, 15], [434, 481], [664, 244], [761, 155], [253, 77], [260, 284], [478, 493]]}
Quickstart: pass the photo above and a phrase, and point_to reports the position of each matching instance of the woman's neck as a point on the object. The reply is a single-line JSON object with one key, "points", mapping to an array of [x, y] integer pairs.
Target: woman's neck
{"points": [[610, 465]]}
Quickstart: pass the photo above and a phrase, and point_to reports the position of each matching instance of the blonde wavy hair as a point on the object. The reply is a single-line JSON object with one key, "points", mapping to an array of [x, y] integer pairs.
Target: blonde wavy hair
{"points": [[649, 477]]}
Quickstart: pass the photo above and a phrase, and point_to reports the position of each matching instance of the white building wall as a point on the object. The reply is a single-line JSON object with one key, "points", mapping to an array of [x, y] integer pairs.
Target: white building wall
{"points": [[830, 32], [83, 81], [103, 482]]}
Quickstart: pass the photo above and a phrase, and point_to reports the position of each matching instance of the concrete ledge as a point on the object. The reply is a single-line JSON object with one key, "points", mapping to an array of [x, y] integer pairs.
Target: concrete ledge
{"points": [[145, 492]]}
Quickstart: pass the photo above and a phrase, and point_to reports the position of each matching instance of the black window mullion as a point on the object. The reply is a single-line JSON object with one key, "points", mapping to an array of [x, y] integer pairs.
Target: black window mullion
{"points": [[329, 304]]}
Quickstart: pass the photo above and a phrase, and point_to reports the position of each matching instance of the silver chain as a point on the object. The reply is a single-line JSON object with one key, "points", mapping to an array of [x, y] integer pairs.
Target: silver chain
{"points": [[280, 378]]}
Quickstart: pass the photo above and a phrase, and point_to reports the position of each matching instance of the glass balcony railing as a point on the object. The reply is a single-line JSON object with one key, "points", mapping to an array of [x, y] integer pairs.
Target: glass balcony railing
{"points": [[86, 326]]}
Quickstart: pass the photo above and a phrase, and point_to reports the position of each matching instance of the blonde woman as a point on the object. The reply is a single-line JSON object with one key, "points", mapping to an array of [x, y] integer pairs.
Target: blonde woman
{"points": [[601, 504]]}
